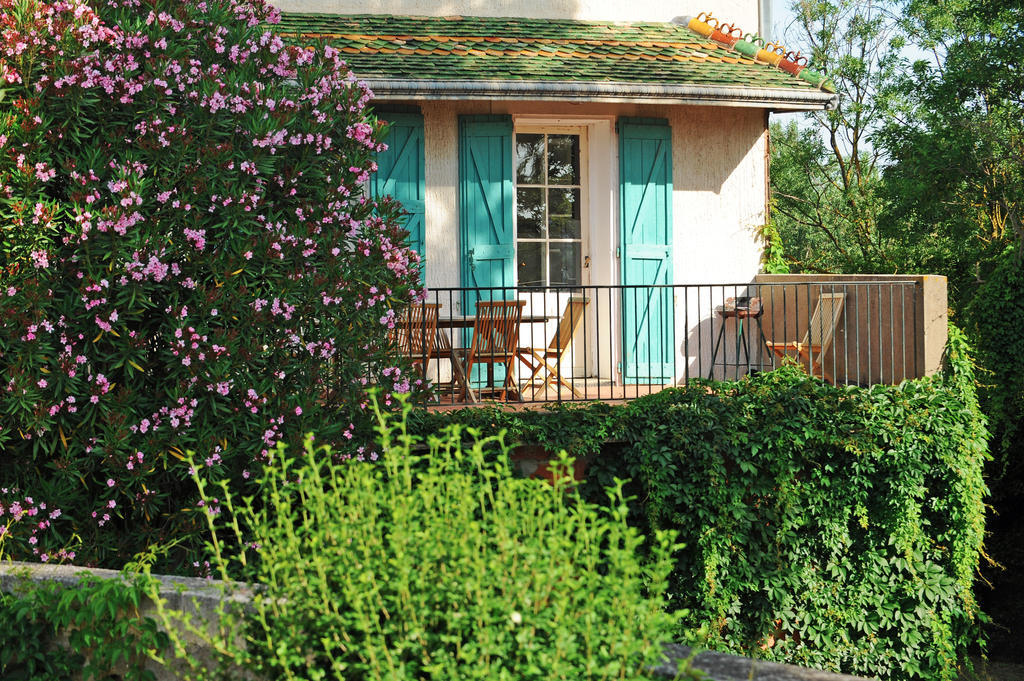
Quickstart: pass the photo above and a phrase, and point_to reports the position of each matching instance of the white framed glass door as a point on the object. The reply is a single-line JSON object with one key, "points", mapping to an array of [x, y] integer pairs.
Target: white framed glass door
{"points": [[551, 210]]}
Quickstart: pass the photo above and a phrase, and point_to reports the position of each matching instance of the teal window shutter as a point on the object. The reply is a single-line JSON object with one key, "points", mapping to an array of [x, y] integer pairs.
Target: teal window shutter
{"points": [[486, 218], [645, 202], [400, 172]]}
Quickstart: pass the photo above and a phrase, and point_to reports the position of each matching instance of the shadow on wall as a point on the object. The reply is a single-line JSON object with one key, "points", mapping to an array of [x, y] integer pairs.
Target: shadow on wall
{"points": [[709, 352], [713, 144]]}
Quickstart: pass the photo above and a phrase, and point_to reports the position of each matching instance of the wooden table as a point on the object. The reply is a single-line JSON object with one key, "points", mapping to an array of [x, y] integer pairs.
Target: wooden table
{"points": [[444, 349]]}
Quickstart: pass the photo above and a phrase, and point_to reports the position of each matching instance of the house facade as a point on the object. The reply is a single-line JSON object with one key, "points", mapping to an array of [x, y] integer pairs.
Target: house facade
{"points": [[579, 143]]}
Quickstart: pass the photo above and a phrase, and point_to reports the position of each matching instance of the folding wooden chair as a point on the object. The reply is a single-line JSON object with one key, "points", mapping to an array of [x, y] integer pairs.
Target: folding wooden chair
{"points": [[495, 336], [811, 350], [415, 334], [549, 359]]}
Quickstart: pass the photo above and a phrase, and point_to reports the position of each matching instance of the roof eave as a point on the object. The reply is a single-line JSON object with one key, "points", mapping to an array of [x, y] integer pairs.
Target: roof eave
{"points": [[779, 99]]}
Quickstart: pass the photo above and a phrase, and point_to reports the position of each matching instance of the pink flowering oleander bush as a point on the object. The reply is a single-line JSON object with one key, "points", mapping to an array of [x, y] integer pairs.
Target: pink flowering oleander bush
{"points": [[188, 262]]}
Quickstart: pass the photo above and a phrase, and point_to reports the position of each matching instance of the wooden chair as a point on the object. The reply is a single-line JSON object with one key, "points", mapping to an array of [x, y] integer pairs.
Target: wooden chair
{"points": [[550, 359], [811, 350], [415, 333], [495, 337]]}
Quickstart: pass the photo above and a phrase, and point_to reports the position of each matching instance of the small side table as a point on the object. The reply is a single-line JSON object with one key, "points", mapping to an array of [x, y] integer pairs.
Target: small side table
{"points": [[740, 309]]}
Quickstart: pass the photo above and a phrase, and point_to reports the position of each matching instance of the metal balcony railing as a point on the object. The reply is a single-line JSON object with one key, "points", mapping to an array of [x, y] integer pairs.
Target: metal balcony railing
{"points": [[602, 342]]}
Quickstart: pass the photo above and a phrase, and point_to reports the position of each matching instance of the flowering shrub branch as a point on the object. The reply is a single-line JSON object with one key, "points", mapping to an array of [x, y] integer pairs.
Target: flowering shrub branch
{"points": [[188, 259]]}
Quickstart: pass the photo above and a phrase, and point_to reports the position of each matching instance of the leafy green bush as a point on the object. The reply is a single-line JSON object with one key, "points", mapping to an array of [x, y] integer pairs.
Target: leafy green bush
{"points": [[581, 429], [593, 431], [187, 261], [839, 528], [435, 565], [54, 633], [836, 528]]}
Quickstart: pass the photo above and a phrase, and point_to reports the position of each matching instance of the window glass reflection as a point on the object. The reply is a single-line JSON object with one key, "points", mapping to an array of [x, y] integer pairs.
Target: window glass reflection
{"points": [[549, 199], [565, 262], [529, 159], [530, 213], [531, 264], [564, 213], [563, 159]]}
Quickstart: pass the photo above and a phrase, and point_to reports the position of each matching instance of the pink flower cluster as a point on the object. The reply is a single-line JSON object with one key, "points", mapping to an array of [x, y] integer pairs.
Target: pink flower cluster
{"points": [[20, 512]]}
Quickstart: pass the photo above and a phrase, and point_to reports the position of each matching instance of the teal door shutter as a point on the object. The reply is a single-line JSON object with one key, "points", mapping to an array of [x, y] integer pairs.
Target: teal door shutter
{"points": [[400, 172], [486, 217], [645, 200]]}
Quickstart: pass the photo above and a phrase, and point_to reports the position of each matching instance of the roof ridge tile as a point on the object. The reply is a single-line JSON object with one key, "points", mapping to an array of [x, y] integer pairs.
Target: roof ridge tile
{"points": [[510, 48]]}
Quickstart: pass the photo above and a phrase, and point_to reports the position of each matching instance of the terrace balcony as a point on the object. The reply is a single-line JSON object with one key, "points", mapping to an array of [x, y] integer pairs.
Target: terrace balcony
{"points": [[529, 345]]}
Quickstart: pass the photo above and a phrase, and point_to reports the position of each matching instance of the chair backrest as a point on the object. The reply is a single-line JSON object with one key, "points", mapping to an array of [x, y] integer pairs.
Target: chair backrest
{"points": [[496, 328], [417, 328], [568, 323], [825, 319]]}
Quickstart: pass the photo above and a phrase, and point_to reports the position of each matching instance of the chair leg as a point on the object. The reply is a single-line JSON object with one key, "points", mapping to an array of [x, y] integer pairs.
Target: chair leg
{"points": [[461, 374], [536, 364], [529, 360], [555, 378], [576, 393], [510, 385], [825, 376], [815, 368]]}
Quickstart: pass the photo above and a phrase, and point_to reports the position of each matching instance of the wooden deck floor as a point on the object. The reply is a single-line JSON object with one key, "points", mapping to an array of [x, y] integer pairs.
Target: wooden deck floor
{"points": [[588, 390]]}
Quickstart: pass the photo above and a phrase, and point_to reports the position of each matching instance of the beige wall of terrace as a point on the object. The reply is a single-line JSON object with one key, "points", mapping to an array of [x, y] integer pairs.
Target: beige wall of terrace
{"points": [[894, 327], [742, 12]]}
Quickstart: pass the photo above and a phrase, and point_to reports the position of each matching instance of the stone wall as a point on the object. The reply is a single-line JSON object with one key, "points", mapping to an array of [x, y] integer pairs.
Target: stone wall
{"points": [[200, 598]]}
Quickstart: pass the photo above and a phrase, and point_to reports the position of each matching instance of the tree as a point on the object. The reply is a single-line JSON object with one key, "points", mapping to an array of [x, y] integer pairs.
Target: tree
{"points": [[956, 137], [918, 169], [189, 262], [956, 183], [826, 176]]}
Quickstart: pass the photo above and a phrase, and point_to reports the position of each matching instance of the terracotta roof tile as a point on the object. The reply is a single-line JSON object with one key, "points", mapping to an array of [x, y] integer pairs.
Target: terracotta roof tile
{"points": [[487, 48]]}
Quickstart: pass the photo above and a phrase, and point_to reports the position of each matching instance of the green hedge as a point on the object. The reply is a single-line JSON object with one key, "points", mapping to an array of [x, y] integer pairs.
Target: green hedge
{"points": [[994, 321], [833, 527]]}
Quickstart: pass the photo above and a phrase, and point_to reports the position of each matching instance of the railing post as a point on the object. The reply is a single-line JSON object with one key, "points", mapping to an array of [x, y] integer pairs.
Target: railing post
{"points": [[931, 321]]}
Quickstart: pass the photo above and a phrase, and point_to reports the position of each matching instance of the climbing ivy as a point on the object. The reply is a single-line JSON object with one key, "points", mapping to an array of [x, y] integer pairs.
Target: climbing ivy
{"points": [[834, 527], [91, 631], [831, 527]]}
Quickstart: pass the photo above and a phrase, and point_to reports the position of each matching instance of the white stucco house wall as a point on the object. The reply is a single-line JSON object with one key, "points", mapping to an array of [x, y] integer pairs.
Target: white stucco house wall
{"points": [[570, 142]]}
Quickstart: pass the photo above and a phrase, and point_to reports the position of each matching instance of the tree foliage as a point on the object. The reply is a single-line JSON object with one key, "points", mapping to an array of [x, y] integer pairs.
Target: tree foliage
{"points": [[944, 188], [826, 174], [956, 136], [955, 185]]}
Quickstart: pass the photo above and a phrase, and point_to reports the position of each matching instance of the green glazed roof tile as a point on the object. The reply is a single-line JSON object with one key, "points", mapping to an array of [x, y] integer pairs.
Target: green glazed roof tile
{"points": [[488, 48]]}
